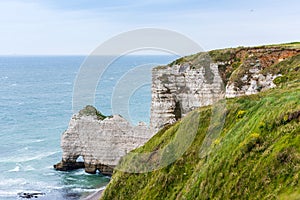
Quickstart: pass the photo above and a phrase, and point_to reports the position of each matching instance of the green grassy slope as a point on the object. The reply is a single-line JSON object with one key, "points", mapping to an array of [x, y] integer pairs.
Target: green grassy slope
{"points": [[256, 155]]}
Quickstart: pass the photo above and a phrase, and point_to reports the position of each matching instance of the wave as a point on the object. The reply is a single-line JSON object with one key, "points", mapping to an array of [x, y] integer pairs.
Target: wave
{"points": [[31, 141], [37, 141], [53, 187], [11, 193], [71, 178], [64, 83], [16, 169], [13, 182], [26, 158], [20, 167], [12, 187], [80, 172], [49, 167], [49, 173], [28, 168]]}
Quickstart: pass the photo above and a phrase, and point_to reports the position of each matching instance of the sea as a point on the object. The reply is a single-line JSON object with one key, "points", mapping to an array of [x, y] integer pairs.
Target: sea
{"points": [[35, 109]]}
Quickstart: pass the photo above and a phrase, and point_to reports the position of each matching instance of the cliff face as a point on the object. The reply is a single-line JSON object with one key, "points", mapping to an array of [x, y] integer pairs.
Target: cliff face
{"points": [[100, 142], [178, 89], [202, 79]]}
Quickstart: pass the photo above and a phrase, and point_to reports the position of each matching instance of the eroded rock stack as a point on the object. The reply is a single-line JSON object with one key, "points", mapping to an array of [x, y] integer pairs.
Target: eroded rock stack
{"points": [[101, 141]]}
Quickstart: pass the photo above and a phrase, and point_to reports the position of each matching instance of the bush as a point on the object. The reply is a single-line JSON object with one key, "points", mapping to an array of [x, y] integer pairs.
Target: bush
{"points": [[280, 79]]}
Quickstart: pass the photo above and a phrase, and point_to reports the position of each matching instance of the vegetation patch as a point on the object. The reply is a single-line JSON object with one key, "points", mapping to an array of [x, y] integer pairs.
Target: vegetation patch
{"points": [[256, 156], [92, 111]]}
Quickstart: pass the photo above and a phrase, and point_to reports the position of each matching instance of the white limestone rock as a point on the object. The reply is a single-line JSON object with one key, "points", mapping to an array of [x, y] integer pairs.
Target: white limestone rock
{"points": [[179, 89], [101, 143], [253, 82]]}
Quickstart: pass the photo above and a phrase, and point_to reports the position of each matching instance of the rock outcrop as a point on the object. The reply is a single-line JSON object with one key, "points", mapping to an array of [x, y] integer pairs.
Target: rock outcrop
{"points": [[180, 88], [252, 75], [251, 82], [101, 141]]}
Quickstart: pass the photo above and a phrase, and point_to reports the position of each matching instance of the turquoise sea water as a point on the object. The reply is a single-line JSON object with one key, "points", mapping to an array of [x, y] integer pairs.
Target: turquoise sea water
{"points": [[35, 108]]}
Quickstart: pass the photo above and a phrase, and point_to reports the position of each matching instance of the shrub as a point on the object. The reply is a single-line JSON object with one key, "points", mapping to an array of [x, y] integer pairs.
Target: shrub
{"points": [[280, 79]]}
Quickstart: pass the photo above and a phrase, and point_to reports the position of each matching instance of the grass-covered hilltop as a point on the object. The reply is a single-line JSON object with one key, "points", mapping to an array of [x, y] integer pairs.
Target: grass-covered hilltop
{"points": [[254, 152]]}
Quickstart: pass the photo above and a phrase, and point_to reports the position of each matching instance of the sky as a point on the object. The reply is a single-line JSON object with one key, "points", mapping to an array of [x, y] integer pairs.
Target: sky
{"points": [[77, 27]]}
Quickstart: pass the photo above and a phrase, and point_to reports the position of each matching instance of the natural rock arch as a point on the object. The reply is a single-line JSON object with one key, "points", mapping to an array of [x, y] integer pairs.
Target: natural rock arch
{"points": [[101, 141]]}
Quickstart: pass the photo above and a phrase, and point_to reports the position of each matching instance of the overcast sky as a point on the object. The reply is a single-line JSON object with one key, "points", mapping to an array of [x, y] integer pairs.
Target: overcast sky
{"points": [[76, 27]]}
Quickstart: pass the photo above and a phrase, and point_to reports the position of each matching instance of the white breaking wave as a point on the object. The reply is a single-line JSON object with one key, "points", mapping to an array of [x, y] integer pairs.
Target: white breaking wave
{"points": [[54, 187], [64, 83], [11, 193], [30, 141], [16, 169], [26, 158], [12, 182], [37, 140], [8, 187], [28, 168], [20, 167], [80, 172], [49, 173]]}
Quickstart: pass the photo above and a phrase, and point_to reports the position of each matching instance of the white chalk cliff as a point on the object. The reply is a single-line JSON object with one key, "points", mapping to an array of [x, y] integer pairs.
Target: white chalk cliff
{"points": [[177, 89], [100, 142]]}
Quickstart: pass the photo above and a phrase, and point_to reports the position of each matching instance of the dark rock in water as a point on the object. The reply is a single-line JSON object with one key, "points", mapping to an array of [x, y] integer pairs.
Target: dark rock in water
{"points": [[67, 166], [26, 195], [89, 168], [103, 169]]}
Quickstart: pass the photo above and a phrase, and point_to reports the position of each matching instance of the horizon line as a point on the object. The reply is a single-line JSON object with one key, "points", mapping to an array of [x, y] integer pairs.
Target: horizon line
{"points": [[150, 54]]}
